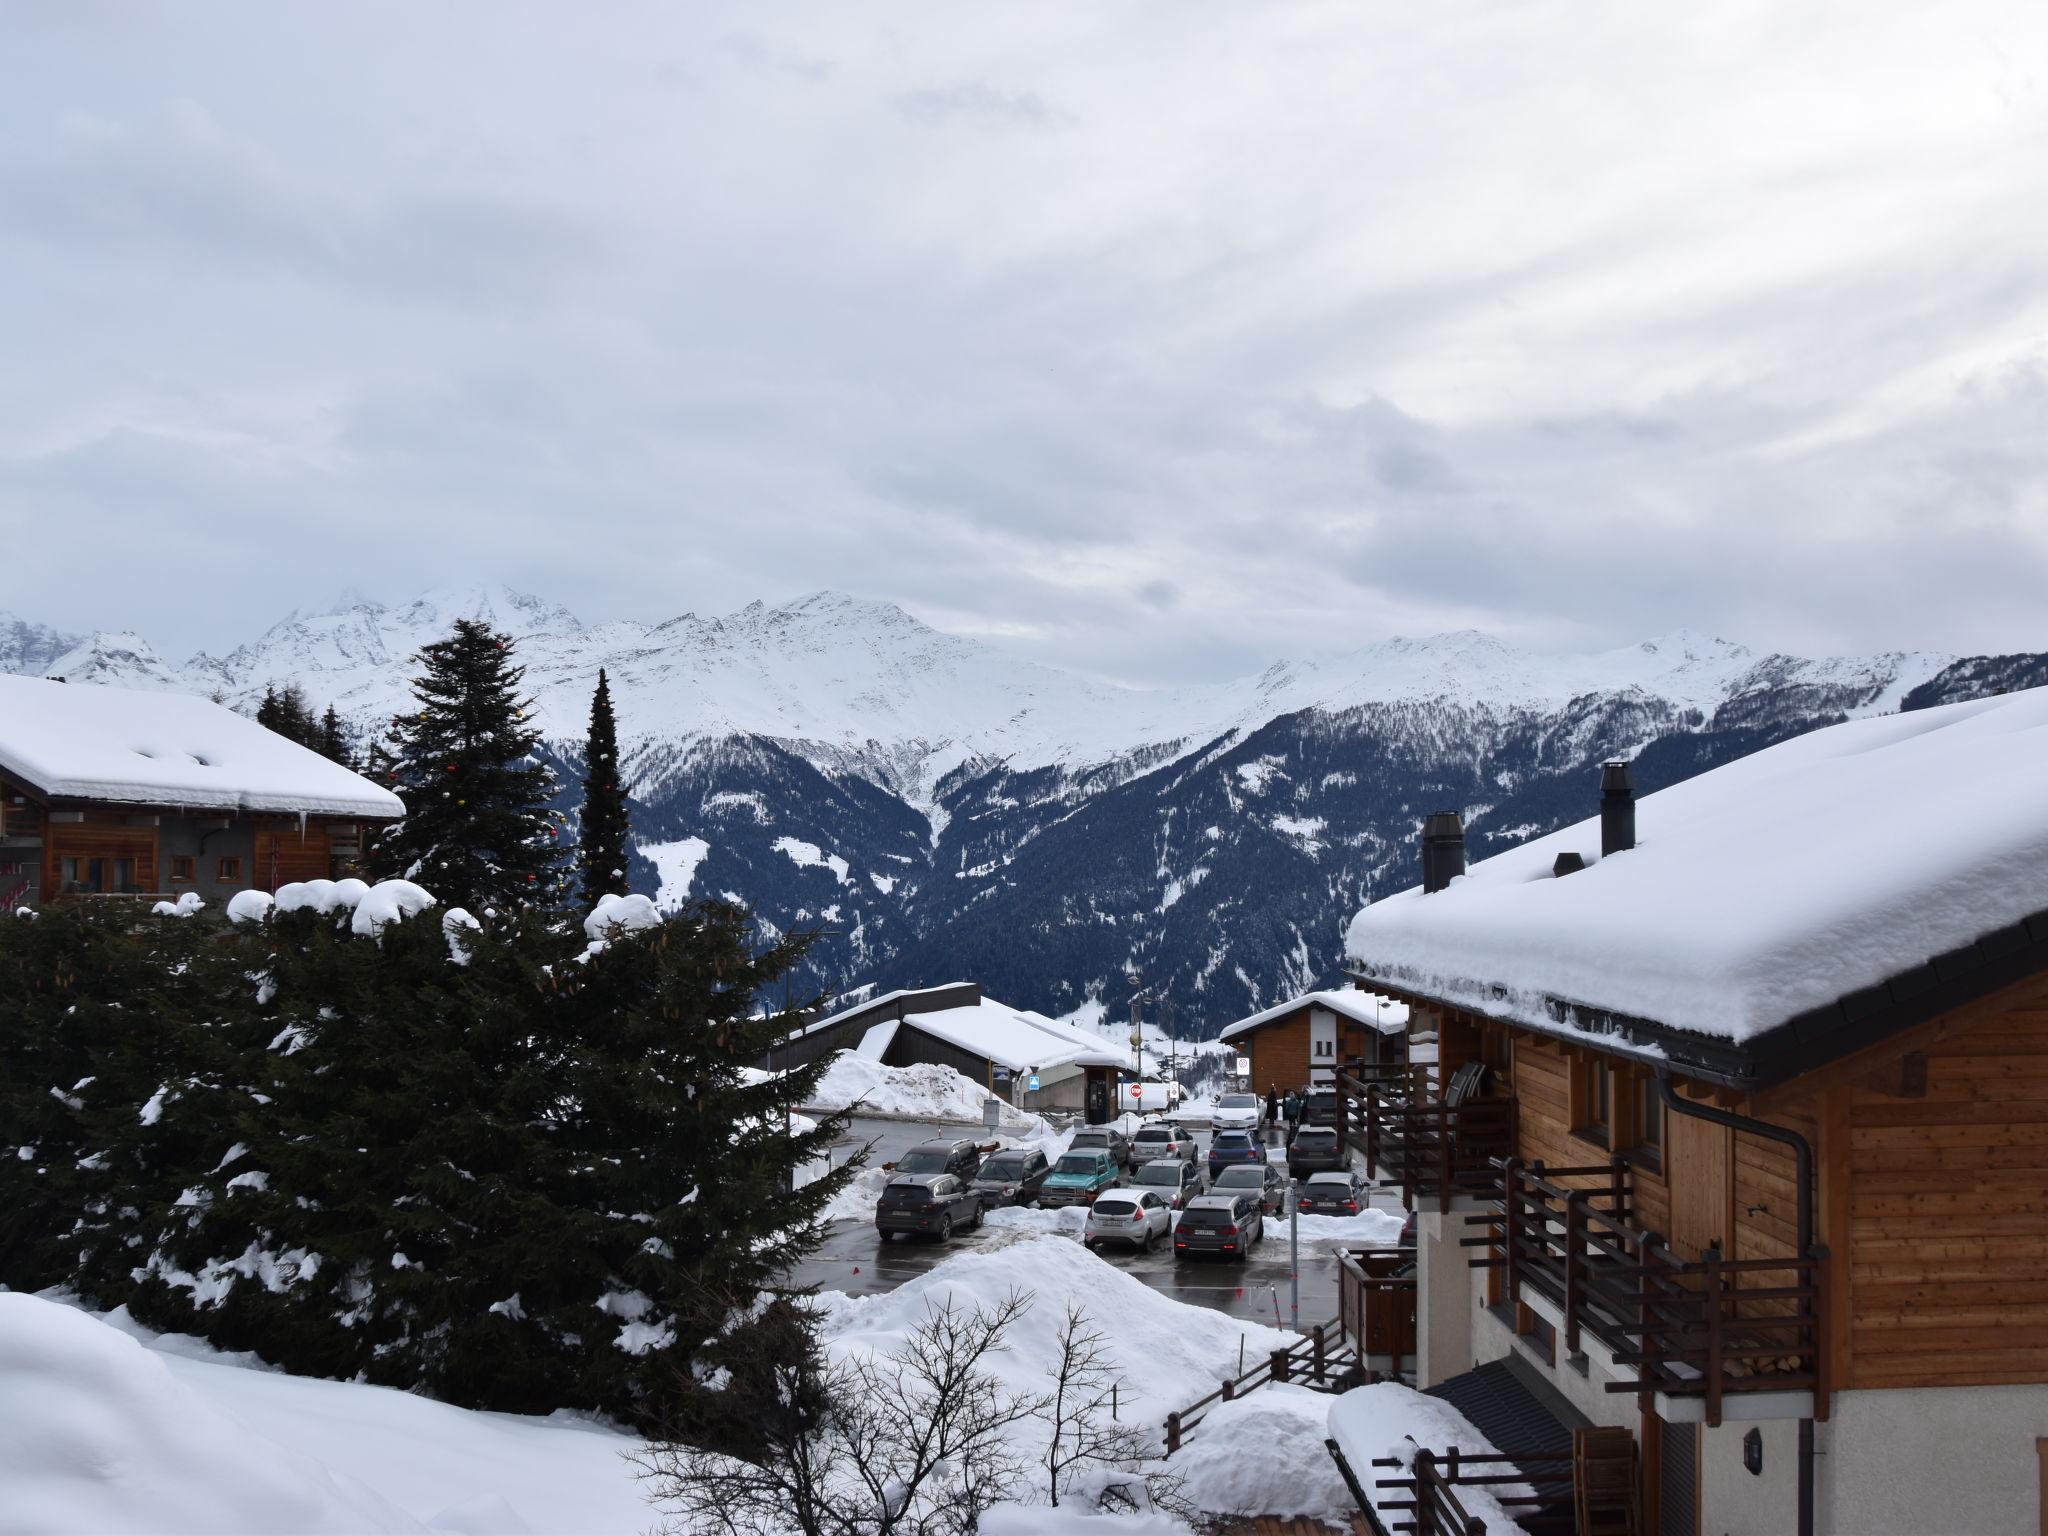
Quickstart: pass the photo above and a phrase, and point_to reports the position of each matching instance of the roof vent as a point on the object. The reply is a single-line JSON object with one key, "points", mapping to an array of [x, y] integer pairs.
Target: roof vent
{"points": [[1443, 850], [1567, 864], [1617, 808]]}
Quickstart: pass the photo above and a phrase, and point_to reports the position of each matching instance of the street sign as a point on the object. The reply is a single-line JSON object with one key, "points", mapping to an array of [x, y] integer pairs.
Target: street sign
{"points": [[1033, 1085], [1137, 1090], [1002, 1074], [991, 1113]]}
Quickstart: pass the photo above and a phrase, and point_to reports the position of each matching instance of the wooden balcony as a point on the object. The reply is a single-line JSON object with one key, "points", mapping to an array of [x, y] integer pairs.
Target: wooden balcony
{"points": [[1433, 1149], [1706, 1329], [1376, 1307]]}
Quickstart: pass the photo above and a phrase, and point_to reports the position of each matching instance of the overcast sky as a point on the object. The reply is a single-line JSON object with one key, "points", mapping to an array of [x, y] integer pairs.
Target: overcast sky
{"points": [[1156, 339]]}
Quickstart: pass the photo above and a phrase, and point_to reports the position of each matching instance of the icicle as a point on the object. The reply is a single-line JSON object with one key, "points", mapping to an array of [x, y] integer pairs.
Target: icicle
{"points": [[302, 826]]}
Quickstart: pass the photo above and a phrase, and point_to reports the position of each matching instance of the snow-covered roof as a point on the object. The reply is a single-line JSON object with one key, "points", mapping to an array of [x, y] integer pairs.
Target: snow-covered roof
{"points": [[1017, 1038], [1781, 883], [83, 742], [1384, 1014]]}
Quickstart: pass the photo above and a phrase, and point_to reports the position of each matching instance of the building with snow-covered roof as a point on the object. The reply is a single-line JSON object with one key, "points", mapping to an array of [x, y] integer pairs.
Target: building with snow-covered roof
{"points": [[1005, 1049], [1739, 1088], [1300, 1043], [109, 791]]}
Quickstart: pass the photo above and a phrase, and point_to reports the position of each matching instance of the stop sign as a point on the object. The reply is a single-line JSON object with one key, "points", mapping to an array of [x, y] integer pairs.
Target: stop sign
{"points": [[1137, 1091]]}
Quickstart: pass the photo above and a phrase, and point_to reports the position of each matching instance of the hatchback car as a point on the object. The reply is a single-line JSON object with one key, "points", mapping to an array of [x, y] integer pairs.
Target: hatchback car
{"points": [[1078, 1177], [1233, 1147], [960, 1158], [931, 1204], [1316, 1149], [1105, 1138], [1228, 1224], [1134, 1216], [1172, 1180], [1012, 1177], [1333, 1194], [1320, 1107], [1267, 1184], [1159, 1139], [1238, 1112]]}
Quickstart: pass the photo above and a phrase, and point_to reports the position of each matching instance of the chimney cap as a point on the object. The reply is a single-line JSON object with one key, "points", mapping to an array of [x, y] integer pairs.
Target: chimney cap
{"points": [[1568, 863]]}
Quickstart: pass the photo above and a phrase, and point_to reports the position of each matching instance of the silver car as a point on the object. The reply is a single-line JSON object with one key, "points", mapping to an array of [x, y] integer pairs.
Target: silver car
{"points": [[1174, 1181], [1137, 1217]]}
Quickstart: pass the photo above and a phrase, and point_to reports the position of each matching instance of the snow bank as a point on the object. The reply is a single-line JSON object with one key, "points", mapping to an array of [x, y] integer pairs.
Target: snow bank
{"points": [[1778, 883], [1072, 1519], [1060, 1221], [1387, 1419], [106, 1426], [98, 1434], [388, 901], [184, 906], [1263, 1454], [1168, 1351], [924, 1092], [248, 906], [1368, 1229]]}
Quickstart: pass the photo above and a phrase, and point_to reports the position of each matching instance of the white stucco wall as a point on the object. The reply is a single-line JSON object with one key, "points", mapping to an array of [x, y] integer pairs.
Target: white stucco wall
{"points": [[1443, 1298], [1957, 1460]]}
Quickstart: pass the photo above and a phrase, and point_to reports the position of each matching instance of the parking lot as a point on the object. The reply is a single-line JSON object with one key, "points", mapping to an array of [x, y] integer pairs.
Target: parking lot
{"points": [[857, 1260]]}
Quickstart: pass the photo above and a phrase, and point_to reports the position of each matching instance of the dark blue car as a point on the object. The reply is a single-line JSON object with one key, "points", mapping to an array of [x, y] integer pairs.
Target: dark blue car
{"points": [[1230, 1147]]}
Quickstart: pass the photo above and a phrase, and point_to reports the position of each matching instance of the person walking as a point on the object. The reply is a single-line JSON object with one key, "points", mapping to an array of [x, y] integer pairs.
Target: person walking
{"points": [[1272, 1105]]}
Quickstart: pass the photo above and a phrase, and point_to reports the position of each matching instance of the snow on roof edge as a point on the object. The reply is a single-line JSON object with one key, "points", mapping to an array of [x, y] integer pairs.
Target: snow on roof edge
{"points": [[1347, 1001]]}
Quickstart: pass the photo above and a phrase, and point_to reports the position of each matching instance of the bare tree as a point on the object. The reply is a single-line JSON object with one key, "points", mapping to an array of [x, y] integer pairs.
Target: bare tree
{"points": [[913, 1442], [1089, 1442]]}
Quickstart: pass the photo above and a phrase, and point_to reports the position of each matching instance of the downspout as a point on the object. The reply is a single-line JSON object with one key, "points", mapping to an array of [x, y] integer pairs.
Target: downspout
{"points": [[1802, 1154]]}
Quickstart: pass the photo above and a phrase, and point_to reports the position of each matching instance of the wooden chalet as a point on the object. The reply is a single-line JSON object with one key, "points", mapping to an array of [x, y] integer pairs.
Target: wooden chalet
{"points": [[109, 792], [1300, 1043], [1737, 1136]]}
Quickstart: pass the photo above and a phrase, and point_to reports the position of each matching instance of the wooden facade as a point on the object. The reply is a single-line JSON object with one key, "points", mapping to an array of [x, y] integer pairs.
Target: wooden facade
{"points": [[1282, 1051]]}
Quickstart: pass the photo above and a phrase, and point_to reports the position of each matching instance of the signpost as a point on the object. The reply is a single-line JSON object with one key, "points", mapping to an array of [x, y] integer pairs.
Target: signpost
{"points": [[1032, 1086], [991, 1113]]}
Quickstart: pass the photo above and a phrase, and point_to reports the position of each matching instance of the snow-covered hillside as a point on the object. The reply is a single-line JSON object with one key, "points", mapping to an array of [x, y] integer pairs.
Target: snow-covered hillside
{"points": [[926, 798]]}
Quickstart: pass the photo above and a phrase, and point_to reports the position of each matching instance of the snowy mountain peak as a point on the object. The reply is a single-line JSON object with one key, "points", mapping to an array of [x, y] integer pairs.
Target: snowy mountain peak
{"points": [[117, 659], [30, 648], [518, 614]]}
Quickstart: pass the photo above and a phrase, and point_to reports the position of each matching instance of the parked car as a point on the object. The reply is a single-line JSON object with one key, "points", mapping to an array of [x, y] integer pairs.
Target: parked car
{"points": [[1158, 1139], [1078, 1177], [1012, 1176], [960, 1158], [1228, 1147], [1263, 1180], [1228, 1223], [929, 1203], [1106, 1138], [1316, 1149], [1238, 1112], [1340, 1193], [1135, 1216], [1320, 1107], [1174, 1181]]}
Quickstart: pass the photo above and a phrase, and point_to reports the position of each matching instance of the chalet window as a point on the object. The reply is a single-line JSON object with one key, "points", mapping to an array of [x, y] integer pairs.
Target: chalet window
{"points": [[1649, 1123], [1593, 1100], [229, 871], [182, 865]]}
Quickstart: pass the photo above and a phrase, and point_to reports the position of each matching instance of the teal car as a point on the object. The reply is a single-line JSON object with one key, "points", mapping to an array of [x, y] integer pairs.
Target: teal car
{"points": [[1078, 1177]]}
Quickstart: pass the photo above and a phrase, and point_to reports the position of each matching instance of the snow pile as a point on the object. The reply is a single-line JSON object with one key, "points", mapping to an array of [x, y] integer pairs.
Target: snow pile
{"points": [[857, 1200], [457, 926], [613, 912], [1074, 1519], [321, 895], [924, 1092], [1387, 1419], [388, 901], [1368, 1229], [1169, 1352], [1263, 1454], [106, 1426], [184, 906], [1775, 884], [1059, 1221], [248, 906], [98, 1434]]}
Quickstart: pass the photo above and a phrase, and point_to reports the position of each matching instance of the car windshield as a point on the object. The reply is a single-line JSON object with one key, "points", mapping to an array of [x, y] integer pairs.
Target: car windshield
{"points": [[1090, 1139], [1154, 1133], [1233, 1139], [1319, 1138], [1150, 1175], [1002, 1168], [1335, 1184], [1244, 1176], [1115, 1206], [923, 1160], [1079, 1162], [1238, 1101]]}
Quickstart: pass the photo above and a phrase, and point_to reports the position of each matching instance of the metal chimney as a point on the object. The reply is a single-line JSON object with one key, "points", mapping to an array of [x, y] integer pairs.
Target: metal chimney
{"points": [[1443, 850], [1617, 808]]}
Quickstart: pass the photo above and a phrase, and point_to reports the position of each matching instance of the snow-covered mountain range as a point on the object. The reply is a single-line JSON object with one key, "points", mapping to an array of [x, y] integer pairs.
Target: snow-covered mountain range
{"points": [[946, 809]]}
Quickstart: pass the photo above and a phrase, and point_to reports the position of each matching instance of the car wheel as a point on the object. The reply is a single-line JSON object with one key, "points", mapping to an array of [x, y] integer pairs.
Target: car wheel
{"points": [[975, 1225], [945, 1226]]}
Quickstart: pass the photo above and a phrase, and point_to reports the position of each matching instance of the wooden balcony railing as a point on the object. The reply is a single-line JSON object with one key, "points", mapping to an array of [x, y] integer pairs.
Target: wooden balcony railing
{"points": [[1704, 1328], [1432, 1149], [1535, 1489], [1376, 1304]]}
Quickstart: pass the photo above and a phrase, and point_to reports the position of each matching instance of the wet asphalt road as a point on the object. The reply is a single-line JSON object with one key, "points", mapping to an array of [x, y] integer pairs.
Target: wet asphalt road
{"points": [[857, 1260]]}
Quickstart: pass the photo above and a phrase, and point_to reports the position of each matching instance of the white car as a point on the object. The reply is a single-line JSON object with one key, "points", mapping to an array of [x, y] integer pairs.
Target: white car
{"points": [[1239, 1112], [1134, 1216]]}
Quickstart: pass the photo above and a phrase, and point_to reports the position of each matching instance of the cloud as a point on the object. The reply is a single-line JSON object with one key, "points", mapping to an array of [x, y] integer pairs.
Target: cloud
{"points": [[1319, 324]]}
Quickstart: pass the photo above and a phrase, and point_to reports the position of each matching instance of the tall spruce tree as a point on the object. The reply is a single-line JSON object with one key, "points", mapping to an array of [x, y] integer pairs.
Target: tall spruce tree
{"points": [[601, 848], [286, 712], [478, 831], [333, 740]]}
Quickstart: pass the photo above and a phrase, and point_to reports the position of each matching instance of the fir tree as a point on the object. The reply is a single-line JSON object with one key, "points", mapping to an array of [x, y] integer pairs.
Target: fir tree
{"points": [[478, 831], [333, 740], [287, 713], [601, 849]]}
